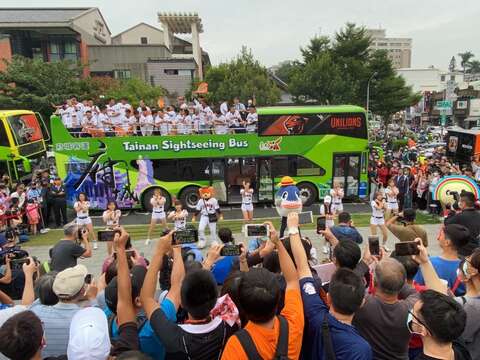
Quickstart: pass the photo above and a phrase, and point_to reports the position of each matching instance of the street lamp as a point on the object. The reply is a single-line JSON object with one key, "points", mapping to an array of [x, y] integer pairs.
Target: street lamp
{"points": [[368, 90]]}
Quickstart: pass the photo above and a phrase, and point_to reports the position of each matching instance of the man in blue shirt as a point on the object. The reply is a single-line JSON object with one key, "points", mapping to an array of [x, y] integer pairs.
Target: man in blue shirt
{"points": [[148, 341], [345, 229], [450, 239], [327, 331]]}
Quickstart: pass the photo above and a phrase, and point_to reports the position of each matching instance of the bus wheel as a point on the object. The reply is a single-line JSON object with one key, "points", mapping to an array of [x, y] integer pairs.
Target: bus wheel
{"points": [[189, 198], [147, 196], [308, 193]]}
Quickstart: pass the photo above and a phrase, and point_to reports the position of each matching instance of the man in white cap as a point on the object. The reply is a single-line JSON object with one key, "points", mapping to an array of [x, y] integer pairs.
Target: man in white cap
{"points": [[89, 339], [71, 288]]}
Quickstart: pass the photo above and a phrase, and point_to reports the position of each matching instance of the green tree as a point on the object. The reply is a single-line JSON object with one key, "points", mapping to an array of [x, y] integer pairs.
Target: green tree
{"points": [[473, 67], [35, 85], [338, 71], [244, 77], [465, 58], [135, 90], [285, 70]]}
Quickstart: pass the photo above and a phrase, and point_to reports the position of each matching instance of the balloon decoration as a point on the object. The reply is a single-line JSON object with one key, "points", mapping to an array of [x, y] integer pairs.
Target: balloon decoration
{"points": [[449, 186]]}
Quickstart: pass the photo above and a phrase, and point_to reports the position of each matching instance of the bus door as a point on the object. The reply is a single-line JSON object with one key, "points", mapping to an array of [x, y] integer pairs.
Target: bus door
{"points": [[217, 179], [265, 184], [239, 170], [346, 172]]}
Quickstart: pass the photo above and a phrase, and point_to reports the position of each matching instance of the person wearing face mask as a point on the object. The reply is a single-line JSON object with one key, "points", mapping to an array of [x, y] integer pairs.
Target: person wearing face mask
{"points": [[469, 273]]}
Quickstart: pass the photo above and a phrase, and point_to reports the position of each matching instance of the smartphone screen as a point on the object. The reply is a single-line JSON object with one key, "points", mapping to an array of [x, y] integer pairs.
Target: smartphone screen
{"points": [[188, 236], [406, 248], [257, 230], [230, 250], [106, 235], [321, 224], [374, 245]]}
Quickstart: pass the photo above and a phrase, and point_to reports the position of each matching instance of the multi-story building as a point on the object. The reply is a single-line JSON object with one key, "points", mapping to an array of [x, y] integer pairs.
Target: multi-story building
{"points": [[399, 49], [154, 55]]}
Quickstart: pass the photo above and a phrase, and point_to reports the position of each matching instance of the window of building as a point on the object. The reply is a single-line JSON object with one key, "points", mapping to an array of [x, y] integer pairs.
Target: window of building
{"points": [[452, 77], [170, 71], [122, 74], [54, 51], [143, 40], [70, 51], [442, 78], [185, 73]]}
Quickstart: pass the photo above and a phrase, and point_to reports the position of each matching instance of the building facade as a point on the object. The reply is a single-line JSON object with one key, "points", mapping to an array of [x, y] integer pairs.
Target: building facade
{"points": [[155, 55], [399, 50]]}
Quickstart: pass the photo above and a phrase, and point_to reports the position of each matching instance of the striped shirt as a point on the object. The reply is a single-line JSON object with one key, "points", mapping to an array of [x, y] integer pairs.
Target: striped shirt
{"points": [[56, 321]]}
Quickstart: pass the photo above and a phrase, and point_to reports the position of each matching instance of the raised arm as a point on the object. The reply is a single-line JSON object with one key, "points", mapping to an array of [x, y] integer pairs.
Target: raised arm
{"points": [[430, 276], [303, 270], [147, 294], [29, 270], [176, 279], [125, 309]]}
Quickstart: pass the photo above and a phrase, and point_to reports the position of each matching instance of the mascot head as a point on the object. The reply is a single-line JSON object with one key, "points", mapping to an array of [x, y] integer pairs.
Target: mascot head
{"points": [[206, 192], [287, 198]]}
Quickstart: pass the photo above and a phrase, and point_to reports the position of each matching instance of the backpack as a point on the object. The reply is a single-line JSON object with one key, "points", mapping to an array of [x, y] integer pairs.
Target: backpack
{"points": [[282, 344]]}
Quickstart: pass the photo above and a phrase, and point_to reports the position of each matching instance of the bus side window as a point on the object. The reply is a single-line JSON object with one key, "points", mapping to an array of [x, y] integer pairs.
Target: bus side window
{"points": [[280, 166], [3, 135]]}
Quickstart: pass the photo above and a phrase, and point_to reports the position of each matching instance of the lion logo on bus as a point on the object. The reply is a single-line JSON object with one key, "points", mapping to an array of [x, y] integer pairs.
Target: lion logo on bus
{"points": [[272, 145]]}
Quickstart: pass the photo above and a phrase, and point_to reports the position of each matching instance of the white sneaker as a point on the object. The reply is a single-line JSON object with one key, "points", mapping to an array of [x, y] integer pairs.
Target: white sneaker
{"points": [[147, 242], [325, 249], [201, 244], [95, 245]]}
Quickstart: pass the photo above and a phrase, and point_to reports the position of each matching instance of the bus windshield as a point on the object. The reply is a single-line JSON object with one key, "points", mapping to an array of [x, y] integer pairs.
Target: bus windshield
{"points": [[25, 128]]}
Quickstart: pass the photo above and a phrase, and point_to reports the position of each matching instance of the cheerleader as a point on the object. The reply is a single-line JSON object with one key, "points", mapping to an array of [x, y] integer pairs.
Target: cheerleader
{"points": [[337, 195], [327, 210], [158, 212], [247, 204], [391, 192], [179, 216], [378, 217], [111, 218], [81, 207]]}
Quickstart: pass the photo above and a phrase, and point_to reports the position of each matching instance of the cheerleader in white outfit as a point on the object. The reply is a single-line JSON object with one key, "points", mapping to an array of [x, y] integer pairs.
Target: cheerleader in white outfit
{"points": [[337, 195], [327, 210], [378, 216], [81, 207], [179, 216], [247, 202], [158, 212], [111, 218], [391, 192]]}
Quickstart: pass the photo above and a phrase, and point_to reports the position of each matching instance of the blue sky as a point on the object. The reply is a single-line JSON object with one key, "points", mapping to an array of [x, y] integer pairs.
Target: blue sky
{"points": [[275, 30]]}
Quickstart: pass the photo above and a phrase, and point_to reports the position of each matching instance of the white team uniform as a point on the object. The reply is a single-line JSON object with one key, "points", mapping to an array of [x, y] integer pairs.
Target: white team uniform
{"points": [[233, 119], [221, 128], [206, 207], [82, 215], [158, 209], [378, 216], [323, 211], [392, 202], [337, 205], [180, 219], [247, 197], [252, 120], [146, 125]]}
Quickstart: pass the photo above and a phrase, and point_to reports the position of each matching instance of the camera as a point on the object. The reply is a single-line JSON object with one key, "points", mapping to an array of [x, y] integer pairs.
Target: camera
{"points": [[107, 235], [230, 250], [187, 236], [406, 248], [256, 230]]}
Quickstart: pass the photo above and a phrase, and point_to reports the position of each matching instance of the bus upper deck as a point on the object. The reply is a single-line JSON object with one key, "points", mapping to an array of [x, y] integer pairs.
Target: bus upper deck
{"points": [[315, 145]]}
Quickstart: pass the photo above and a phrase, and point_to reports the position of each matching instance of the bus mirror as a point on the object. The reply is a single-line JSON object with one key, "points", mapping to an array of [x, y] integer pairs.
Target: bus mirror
{"points": [[26, 165]]}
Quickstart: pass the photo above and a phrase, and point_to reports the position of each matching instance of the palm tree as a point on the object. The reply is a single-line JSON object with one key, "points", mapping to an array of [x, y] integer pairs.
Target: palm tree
{"points": [[465, 56], [473, 67]]}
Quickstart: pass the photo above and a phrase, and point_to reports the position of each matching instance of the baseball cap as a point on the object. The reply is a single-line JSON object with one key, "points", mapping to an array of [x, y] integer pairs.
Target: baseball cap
{"points": [[70, 281], [89, 337], [137, 275]]}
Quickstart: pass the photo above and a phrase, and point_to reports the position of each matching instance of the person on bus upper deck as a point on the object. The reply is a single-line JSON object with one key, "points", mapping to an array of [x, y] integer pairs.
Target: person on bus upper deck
{"points": [[126, 126], [104, 121], [252, 120], [220, 123], [123, 105], [141, 105], [233, 119], [224, 107], [89, 122], [79, 109], [113, 110], [146, 122], [238, 105]]}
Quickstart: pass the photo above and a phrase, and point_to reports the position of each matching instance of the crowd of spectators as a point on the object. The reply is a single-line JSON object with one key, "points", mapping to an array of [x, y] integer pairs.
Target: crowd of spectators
{"points": [[119, 118], [269, 302]]}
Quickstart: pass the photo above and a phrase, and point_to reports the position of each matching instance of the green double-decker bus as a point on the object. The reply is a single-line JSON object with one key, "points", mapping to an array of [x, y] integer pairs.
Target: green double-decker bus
{"points": [[315, 145]]}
